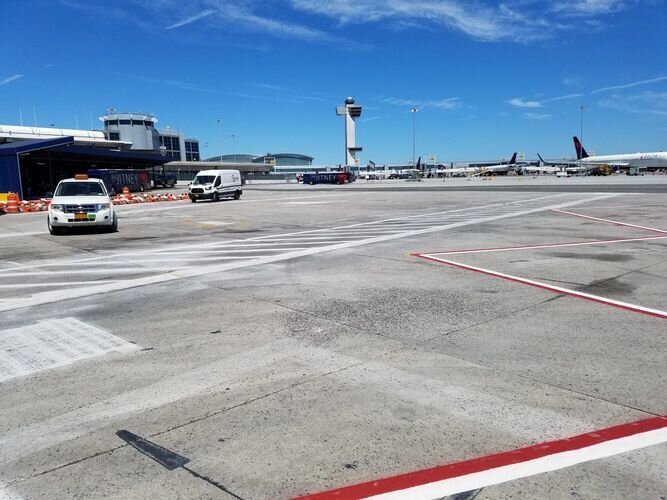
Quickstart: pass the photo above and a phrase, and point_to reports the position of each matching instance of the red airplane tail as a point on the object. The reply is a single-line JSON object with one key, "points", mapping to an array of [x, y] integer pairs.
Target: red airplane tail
{"points": [[579, 148]]}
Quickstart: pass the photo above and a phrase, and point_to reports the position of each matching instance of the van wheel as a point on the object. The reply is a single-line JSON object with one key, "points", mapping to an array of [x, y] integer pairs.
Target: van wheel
{"points": [[237, 195], [216, 197]]}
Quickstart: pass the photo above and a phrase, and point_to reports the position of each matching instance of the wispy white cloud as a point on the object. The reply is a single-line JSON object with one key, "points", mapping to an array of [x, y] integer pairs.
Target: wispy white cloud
{"points": [[590, 7], [563, 97], [522, 103], [522, 21], [10, 79], [630, 85], [644, 103], [191, 19], [449, 103], [537, 116]]}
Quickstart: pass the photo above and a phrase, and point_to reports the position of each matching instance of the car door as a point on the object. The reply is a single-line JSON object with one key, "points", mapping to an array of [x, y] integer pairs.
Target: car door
{"points": [[217, 183]]}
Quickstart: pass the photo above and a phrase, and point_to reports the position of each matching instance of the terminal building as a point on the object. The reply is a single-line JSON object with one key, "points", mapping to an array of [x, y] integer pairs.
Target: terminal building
{"points": [[139, 130], [34, 159]]}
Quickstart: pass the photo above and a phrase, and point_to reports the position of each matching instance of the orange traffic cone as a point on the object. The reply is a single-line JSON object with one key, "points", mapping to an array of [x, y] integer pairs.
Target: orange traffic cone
{"points": [[12, 203]]}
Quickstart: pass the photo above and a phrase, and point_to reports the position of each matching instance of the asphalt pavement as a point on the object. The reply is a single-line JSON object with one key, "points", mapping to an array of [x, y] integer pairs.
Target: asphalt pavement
{"points": [[308, 338]]}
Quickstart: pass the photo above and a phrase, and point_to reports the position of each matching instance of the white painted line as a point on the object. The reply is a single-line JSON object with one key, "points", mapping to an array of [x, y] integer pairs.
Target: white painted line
{"points": [[530, 468], [19, 235], [617, 223], [111, 271], [557, 289], [59, 295], [48, 285], [53, 343], [548, 245], [336, 228]]}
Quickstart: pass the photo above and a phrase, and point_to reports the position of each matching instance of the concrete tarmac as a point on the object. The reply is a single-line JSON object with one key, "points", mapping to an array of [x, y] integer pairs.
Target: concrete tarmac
{"points": [[292, 342]]}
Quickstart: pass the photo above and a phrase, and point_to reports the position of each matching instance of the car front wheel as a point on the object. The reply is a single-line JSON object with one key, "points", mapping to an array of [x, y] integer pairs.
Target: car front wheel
{"points": [[53, 230]]}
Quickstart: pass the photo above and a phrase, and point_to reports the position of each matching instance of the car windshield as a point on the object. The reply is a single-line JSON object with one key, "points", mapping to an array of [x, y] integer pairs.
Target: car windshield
{"points": [[200, 180], [80, 189]]}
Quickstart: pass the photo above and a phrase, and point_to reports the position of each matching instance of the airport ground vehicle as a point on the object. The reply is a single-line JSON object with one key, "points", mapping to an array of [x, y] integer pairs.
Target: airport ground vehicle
{"points": [[116, 179], [164, 180], [328, 178], [216, 184], [81, 202]]}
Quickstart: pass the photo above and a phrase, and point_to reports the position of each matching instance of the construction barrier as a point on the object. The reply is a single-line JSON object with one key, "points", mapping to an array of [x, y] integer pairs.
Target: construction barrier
{"points": [[12, 203], [15, 206]]}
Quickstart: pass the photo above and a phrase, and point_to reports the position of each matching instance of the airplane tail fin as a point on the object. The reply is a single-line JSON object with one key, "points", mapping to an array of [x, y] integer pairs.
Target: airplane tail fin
{"points": [[542, 162], [579, 148], [419, 163], [513, 159]]}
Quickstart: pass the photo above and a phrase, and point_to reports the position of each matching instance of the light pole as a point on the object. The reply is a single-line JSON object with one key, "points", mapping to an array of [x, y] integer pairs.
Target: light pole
{"points": [[234, 146], [581, 129], [414, 112], [220, 136], [581, 133]]}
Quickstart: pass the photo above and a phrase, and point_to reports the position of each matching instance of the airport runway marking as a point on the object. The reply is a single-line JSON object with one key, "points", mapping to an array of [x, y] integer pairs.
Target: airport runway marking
{"points": [[394, 229], [548, 245], [53, 343], [469, 475], [433, 256], [551, 288], [616, 223]]}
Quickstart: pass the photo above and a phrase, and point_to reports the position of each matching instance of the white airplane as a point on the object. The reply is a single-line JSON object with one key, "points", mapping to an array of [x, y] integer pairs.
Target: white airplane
{"points": [[641, 160], [501, 168], [456, 172], [543, 167]]}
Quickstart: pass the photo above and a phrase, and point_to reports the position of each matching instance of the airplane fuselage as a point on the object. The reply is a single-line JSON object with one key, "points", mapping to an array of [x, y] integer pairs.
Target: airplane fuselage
{"points": [[647, 160]]}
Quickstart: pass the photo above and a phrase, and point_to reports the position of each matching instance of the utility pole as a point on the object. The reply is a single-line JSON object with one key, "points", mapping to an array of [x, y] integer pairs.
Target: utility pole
{"points": [[414, 112]]}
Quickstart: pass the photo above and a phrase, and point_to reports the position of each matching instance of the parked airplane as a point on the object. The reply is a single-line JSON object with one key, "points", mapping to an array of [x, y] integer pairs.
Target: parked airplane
{"points": [[501, 168], [642, 160], [456, 172], [543, 167]]}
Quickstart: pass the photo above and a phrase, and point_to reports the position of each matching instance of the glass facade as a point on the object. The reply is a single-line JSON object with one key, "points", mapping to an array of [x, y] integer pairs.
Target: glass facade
{"points": [[192, 150], [171, 145]]}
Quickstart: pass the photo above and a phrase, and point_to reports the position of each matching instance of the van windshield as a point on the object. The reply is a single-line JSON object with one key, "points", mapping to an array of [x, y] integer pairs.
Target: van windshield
{"points": [[200, 180]]}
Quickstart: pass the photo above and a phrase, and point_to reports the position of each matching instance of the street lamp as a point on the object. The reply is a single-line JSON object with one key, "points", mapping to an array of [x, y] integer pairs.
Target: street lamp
{"points": [[581, 133], [414, 112], [234, 146], [581, 130], [220, 136]]}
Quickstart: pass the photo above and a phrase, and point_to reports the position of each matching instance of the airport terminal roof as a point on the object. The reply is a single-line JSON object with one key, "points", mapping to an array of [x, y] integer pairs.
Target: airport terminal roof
{"points": [[13, 148]]}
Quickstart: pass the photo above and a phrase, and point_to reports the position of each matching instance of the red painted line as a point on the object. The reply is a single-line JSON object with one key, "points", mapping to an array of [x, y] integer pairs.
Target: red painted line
{"points": [[442, 472], [546, 245], [556, 289], [608, 221]]}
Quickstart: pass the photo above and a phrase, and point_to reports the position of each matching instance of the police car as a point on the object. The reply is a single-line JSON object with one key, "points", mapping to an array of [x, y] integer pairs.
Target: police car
{"points": [[81, 202]]}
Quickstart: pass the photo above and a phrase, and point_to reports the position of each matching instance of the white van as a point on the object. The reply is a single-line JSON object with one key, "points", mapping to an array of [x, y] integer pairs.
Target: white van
{"points": [[216, 184]]}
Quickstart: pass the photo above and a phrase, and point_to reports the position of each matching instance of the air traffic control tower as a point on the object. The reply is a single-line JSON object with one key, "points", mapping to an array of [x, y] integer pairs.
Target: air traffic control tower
{"points": [[351, 113]]}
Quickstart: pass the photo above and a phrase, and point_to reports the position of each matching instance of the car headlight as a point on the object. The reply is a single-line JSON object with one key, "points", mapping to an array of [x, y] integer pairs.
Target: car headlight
{"points": [[59, 208], [103, 206]]}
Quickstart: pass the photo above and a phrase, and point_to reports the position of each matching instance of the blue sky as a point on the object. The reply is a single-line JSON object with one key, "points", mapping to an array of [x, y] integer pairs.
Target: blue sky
{"points": [[488, 77]]}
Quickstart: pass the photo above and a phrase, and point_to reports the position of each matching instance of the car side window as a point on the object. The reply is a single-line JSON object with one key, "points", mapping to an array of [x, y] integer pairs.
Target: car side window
{"points": [[217, 181]]}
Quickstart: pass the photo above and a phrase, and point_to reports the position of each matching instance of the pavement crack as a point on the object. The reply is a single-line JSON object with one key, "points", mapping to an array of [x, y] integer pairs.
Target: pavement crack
{"points": [[211, 482]]}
